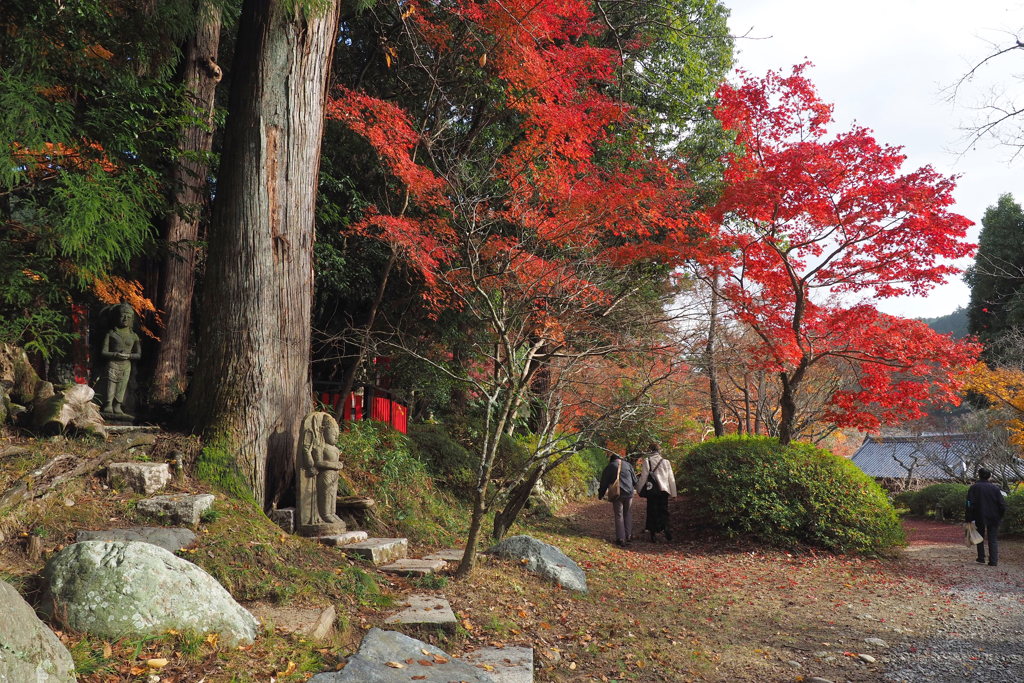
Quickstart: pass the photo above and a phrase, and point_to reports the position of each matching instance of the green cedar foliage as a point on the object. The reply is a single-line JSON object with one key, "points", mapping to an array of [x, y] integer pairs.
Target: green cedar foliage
{"points": [[997, 276], [788, 495], [89, 112]]}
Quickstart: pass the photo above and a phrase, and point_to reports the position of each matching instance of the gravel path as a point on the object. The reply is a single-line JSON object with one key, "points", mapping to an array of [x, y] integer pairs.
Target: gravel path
{"points": [[985, 643]]}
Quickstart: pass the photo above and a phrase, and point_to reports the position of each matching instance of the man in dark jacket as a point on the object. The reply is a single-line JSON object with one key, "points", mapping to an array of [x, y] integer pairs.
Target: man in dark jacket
{"points": [[619, 469], [986, 507]]}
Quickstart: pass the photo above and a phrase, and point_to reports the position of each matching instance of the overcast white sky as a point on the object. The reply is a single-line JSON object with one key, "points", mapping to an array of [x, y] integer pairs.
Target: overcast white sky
{"points": [[885, 64]]}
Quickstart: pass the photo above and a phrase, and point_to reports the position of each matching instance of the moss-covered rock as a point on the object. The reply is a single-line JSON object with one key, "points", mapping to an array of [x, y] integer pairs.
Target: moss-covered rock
{"points": [[29, 651], [113, 589]]}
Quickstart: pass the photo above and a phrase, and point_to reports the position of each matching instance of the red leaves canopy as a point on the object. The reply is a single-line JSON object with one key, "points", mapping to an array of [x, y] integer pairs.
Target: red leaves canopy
{"points": [[813, 220]]}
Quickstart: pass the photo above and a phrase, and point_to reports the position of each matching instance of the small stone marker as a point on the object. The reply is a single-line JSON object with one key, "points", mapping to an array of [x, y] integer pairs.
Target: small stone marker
{"points": [[409, 567], [171, 540], [379, 551], [284, 518], [425, 610], [510, 664], [346, 538], [181, 508], [449, 555], [141, 477], [314, 623]]}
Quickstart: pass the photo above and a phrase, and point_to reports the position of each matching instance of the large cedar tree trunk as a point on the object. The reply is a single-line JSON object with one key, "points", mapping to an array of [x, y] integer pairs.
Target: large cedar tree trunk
{"points": [[201, 76], [252, 385]]}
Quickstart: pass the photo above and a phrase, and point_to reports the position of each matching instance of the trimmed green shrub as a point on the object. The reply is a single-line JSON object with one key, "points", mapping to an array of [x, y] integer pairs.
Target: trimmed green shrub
{"points": [[928, 498], [1013, 523], [788, 495], [951, 505], [904, 499]]}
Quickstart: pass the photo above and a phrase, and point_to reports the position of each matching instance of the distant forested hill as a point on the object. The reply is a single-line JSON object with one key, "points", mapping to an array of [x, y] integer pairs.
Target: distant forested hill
{"points": [[955, 322]]}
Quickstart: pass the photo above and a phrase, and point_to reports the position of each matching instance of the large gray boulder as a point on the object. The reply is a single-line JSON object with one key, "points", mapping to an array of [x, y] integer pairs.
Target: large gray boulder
{"points": [[117, 588], [29, 651], [543, 559], [370, 664]]}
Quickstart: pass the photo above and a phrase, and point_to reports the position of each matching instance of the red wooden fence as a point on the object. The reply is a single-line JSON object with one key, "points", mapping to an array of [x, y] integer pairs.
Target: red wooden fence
{"points": [[382, 408]]}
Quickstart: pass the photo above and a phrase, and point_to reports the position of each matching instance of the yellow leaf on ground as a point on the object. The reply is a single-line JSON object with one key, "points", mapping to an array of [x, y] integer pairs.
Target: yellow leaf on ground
{"points": [[156, 663], [395, 665]]}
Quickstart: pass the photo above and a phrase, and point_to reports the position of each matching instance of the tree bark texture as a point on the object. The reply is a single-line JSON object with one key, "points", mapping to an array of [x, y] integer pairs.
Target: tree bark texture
{"points": [[189, 176], [252, 387]]}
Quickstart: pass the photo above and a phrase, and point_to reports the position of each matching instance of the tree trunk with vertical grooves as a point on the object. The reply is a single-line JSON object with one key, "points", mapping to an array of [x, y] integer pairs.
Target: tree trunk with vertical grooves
{"points": [[252, 388], [202, 74]]}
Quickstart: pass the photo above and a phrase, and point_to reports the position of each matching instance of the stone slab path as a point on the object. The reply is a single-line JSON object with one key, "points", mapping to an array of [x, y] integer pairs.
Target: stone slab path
{"points": [[411, 567], [425, 610], [379, 551], [507, 664], [449, 555]]}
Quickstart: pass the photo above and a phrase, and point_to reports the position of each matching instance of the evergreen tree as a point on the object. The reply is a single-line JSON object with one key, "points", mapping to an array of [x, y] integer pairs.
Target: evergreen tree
{"points": [[997, 276]]}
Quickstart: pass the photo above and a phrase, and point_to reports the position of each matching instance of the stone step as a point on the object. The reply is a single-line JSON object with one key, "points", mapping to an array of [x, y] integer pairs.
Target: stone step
{"points": [[504, 664], [425, 610], [409, 567], [346, 538], [448, 555], [379, 551]]}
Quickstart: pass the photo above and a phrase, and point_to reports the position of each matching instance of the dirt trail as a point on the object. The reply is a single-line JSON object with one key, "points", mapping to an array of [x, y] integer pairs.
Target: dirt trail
{"points": [[930, 614]]}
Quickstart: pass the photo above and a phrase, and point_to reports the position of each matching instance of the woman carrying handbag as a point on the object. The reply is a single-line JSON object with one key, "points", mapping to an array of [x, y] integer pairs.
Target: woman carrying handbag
{"points": [[657, 485], [619, 481]]}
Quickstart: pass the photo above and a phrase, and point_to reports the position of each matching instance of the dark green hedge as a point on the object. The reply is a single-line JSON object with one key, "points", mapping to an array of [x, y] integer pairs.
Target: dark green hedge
{"points": [[788, 495], [948, 499]]}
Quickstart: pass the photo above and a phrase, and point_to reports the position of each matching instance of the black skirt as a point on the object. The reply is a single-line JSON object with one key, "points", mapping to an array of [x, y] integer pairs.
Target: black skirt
{"points": [[657, 511]]}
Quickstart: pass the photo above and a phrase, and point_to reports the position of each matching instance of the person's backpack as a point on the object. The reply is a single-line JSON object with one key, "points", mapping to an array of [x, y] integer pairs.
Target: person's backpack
{"points": [[652, 485]]}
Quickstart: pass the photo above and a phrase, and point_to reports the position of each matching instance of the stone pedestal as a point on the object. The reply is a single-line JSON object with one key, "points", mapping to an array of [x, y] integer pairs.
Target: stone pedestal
{"points": [[326, 529]]}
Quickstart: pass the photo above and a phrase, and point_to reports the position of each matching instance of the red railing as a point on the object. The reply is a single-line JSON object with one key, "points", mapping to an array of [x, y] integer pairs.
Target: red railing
{"points": [[382, 408]]}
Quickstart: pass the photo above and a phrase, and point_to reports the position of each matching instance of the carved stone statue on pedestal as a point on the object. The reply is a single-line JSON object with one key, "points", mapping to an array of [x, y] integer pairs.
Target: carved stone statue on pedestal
{"points": [[120, 348], [318, 466]]}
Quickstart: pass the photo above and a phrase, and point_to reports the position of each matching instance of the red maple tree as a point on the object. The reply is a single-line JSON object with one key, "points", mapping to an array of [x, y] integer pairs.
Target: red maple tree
{"points": [[818, 225], [540, 233]]}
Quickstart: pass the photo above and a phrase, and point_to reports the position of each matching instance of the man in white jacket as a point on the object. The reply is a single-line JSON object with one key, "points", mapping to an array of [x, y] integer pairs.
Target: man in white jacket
{"points": [[657, 484]]}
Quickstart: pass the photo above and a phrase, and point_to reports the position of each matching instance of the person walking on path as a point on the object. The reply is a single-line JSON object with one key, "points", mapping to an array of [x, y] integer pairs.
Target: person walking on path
{"points": [[657, 485], [619, 480], [986, 507]]}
